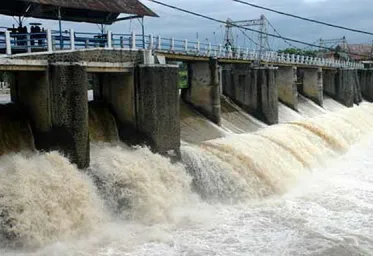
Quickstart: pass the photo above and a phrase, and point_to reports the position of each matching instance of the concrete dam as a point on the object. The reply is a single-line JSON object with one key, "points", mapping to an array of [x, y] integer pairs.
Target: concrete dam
{"points": [[244, 161]]}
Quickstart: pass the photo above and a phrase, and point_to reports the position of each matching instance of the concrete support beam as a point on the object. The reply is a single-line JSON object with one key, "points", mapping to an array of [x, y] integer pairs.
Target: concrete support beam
{"points": [[118, 91], [203, 92], [157, 107], [312, 84], [286, 80], [343, 85], [32, 92], [57, 103], [329, 82], [347, 87], [268, 96], [240, 83], [69, 113], [366, 83], [253, 89]]}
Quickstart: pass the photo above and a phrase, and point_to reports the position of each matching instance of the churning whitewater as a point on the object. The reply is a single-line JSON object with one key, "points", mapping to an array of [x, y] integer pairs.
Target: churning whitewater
{"points": [[288, 189]]}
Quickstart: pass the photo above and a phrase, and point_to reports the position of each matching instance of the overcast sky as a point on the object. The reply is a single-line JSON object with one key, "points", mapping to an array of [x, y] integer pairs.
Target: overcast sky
{"points": [[351, 13]]}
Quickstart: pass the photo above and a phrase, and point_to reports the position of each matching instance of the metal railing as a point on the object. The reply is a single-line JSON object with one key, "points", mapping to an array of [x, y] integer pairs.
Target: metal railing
{"points": [[53, 41]]}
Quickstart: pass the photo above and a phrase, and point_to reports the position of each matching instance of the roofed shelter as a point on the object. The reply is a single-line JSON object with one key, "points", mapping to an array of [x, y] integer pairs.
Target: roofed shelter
{"points": [[91, 11]]}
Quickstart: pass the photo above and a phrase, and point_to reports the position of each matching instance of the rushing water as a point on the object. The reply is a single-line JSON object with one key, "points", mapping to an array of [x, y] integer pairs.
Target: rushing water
{"points": [[303, 188]]}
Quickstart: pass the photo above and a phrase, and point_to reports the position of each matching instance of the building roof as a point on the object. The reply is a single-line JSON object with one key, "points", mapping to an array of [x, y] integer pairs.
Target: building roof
{"points": [[93, 11], [360, 51]]}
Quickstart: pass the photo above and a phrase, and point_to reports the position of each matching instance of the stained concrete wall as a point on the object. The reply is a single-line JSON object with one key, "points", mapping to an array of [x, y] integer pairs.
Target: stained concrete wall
{"points": [[69, 112], [329, 82], [253, 89], [240, 83], [286, 80], [268, 95], [157, 107], [32, 92], [312, 84], [118, 91], [347, 87], [57, 103], [366, 83], [203, 91]]}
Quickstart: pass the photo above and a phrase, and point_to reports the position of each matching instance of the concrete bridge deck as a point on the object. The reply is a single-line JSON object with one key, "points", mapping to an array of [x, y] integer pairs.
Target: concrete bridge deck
{"points": [[177, 49]]}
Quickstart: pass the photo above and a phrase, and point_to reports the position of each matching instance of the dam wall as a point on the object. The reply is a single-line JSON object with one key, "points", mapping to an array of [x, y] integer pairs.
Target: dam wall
{"points": [[203, 92], [311, 84], [286, 80], [343, 85], [144, 100], [253, 89]]}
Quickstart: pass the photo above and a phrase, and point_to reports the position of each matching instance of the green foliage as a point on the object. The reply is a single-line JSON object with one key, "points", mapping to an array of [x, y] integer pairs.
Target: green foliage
{"points": [[183, 81], [299, 52]]}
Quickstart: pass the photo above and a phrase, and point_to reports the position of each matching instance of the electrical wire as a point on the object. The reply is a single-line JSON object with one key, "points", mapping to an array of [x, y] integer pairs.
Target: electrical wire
{"points": [[303, 18], [248, 29]]}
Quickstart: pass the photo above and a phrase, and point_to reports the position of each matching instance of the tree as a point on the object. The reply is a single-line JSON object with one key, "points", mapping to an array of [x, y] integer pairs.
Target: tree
{"points": [[299, 52]]}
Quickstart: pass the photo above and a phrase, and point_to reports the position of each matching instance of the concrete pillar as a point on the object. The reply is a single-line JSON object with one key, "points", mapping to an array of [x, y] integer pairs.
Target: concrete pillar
{"points": [[313, 84], [345, 83], [32, 92], [203, 92], [268, 95], [286, 80], [253, 89], [57, 104], [157, 107], [329, 82], [240, 83], [118, 91], [366, 83], [69, 113]]}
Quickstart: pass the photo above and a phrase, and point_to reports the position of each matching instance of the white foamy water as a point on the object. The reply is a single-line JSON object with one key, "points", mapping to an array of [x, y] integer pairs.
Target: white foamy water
{"points": [[328, 212], [272, 192], [4, 98]]}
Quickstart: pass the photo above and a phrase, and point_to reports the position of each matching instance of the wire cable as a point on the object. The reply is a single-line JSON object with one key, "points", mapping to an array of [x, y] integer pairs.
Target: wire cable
{"points": [[248, 29], [275, 30], [303, 18], [248, 37]]}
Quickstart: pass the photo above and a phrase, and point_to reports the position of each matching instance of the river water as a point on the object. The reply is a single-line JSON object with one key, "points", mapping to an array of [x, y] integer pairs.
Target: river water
{"points": [[304, 188]]}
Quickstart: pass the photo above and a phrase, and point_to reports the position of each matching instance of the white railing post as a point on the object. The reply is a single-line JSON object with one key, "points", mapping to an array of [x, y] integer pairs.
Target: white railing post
{"points": [[28, 42], [247, 53], [220, 50], [186, 45], [209, 50], [72, 39], [49, 40], [8, 43], [159, 47], [133, 44], [198, 46], [238, 52], [172, 47], [109, 40], [151, 42]]}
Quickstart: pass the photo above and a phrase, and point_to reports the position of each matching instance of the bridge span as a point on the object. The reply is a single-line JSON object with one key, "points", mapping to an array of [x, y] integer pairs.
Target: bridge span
{"points": [[137, 78]]}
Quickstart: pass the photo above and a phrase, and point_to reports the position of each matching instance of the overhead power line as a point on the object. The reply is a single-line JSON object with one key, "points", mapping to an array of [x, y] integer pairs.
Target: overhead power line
{"points": [[248, 29], [303, 18]]}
